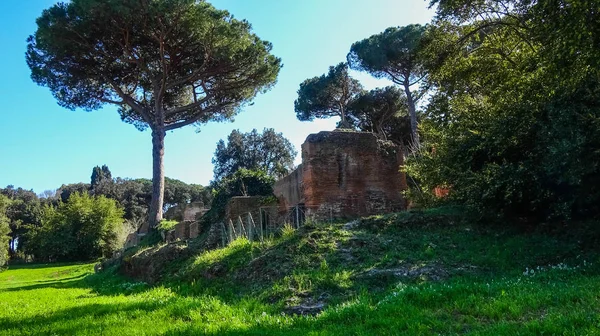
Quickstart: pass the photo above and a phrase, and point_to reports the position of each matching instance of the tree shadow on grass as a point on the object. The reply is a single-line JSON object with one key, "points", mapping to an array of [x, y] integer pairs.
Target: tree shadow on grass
{"points": [[44, 265], [76, 319], [61, 283]]}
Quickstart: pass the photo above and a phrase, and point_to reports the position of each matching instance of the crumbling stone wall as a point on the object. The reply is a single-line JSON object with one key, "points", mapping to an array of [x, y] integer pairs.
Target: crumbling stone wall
{"points": [[182, 231], [346, 175], [242, 205], [186, 212], [132, 240], [289, 189]]}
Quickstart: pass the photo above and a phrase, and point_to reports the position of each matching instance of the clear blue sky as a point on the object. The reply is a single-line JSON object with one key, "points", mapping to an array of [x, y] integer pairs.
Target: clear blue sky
{"points": [[43, 145]]}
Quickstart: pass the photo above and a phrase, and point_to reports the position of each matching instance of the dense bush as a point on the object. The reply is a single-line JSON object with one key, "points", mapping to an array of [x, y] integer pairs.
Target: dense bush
{"points": [[24, 210], [4, 230], [512, 126], [243, 182], [84, 228]]}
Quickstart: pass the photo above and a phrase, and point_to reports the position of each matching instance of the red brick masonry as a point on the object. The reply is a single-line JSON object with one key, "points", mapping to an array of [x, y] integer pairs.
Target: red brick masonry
{"points": [[347, 175]]}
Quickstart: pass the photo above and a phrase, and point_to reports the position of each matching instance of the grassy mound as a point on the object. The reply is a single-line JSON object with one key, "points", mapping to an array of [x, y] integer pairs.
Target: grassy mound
{"points": [[431, 272]]}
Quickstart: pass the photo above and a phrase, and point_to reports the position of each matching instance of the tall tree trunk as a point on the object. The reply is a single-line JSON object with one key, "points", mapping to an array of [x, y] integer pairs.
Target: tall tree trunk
{"points": [[343, 122], [412, 112], [158, 178]]}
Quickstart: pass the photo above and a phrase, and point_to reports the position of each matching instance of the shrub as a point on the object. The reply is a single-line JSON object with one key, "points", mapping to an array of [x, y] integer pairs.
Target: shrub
{"points": [[513, 135], [243, 182], [4, 230], [84, 228], [167, 225]]}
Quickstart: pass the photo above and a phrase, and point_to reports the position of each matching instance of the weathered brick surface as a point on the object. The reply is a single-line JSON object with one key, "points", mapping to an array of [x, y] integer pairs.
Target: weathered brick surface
{"points": [[345, 175], [194, 230], [289, 189], [131, 240], [186, 212], [241, 206], [182, 231]]}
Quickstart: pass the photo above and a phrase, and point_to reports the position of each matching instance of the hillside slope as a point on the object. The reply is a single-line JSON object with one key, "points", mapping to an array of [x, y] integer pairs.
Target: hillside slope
{"points": [[410, 273], [430, 269]]}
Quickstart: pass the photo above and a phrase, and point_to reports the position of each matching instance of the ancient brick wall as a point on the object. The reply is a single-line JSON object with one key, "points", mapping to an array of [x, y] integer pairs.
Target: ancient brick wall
{"points": [[132, 240], [242, 205], [182, 231], [194, 230], [186, 212], [351, 174], [288, 190]]}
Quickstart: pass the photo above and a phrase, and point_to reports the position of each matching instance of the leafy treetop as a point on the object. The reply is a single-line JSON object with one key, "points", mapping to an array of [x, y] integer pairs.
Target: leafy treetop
{"points": [[327, 95], [268, 151], [394, 54]]}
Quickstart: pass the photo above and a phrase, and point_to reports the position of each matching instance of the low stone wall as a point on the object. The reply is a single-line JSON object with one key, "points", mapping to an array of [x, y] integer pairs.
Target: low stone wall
{"points": [[186, 212], [288, 190], [182, 231], [242, 205], [132, 240], [194, 230]]}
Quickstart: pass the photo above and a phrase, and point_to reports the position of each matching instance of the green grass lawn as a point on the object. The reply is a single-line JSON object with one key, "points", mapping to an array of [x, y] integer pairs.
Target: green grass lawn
{"points": [[404, 274]]}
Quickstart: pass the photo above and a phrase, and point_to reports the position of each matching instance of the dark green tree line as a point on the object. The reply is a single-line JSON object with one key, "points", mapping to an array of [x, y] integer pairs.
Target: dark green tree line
{"points": [[512, 128], [84, 228]]}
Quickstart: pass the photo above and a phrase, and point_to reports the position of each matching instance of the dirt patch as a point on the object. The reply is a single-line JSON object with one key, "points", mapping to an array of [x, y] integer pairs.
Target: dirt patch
{"points": [[306, 305], [431, 272]]}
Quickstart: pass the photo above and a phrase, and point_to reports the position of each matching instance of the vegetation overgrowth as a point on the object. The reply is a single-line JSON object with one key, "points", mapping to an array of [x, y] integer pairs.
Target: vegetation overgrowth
{"points": [[421, 272]]}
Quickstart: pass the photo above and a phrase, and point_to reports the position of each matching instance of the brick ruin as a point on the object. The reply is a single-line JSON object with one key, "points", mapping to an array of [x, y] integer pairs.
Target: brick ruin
{"points": [[187, 215], [186, 212], [345, 175]]}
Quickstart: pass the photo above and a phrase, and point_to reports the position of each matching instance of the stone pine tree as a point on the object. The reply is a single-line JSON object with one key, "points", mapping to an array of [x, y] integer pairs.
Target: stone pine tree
{"points": [[394, 54], [382, 111], [327, 95], [165, 63]]}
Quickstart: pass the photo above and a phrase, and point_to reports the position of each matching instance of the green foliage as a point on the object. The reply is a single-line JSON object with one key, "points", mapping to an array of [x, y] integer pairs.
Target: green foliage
{"points": [[87, 63], [512, 128], [24, 211], [4, 230], [99, 175], [392, 54], [243, 182], [134, 195], [85, 228], [382, 111], [327, 95], [66, 190], [287, 231], [268, 151], [179, 192], [167, 225], [395, 54]]}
